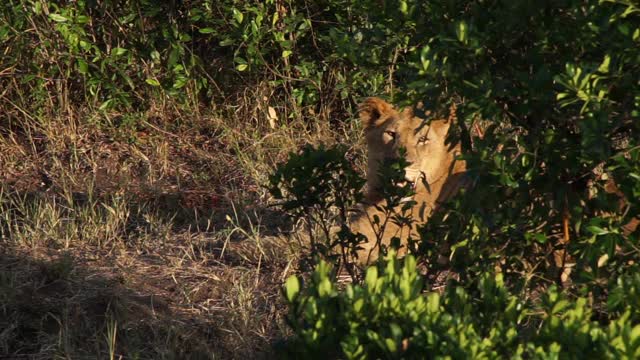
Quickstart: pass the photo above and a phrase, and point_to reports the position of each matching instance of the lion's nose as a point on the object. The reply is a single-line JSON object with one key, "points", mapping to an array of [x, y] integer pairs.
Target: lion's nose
{"points": [[411, 175]]}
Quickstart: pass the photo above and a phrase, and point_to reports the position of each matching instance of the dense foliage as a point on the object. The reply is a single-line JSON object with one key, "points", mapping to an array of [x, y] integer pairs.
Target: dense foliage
{"points": [[389, 316], [127, 54], [543, 244]]}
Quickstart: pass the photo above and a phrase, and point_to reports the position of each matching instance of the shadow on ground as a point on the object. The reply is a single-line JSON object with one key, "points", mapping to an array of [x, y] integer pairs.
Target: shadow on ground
{"points": [[59, 308], [183, 294]]}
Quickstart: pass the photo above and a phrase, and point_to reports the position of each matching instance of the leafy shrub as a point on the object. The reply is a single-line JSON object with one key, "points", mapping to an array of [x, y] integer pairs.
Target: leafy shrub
{"points": [[389, 316], [544, 233], [310, 184], [127, 54], [560, 128], [320, 186]]}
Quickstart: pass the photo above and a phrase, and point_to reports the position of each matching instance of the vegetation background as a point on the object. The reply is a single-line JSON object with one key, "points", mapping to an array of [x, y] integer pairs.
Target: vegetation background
{"points": [[137, 139]]}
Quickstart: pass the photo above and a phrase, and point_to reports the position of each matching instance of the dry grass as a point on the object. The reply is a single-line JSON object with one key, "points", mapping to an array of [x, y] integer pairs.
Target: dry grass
{"points": [[145, 235]]}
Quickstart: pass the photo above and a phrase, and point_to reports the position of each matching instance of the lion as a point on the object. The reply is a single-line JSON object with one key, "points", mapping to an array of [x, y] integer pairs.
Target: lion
{"points": [[435, 171]]}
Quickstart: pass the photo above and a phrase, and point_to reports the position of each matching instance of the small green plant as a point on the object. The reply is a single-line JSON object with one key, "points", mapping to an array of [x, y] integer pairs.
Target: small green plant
{"points": [[395, 204], [319, 185]]}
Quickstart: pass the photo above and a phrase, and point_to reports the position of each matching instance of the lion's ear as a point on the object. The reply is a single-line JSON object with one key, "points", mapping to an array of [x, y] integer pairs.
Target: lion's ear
{"points": [[372, 110]]}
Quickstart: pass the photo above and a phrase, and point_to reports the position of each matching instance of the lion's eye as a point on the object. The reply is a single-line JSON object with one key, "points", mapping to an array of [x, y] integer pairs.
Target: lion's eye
{"points": [[423, 139]]}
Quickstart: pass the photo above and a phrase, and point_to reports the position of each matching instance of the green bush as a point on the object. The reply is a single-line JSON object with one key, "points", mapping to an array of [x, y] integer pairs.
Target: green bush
{"points": [[309, 186], [556, 171], [390, 316], [320, 186], [127, 54]]}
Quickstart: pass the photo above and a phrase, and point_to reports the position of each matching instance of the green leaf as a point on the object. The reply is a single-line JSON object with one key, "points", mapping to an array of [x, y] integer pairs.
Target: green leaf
{"points": [[596, 230], [325, 288], [207, 30], [82, 19], [559, 306], [83, 67], [106, 105], [461, 31], [226, 42], [459, 245], [241, 67], [391, 345], [118, 51], [635, 334], [396, 331], [238, 16], [604, 66], [180, 82], [292, 288], [433, 302], [404, 7], [286, 53], [58, 18], [155, 55], [4, 32], [541, 238], [37, 8], [371, 277], [152, 82], [358, 305]]}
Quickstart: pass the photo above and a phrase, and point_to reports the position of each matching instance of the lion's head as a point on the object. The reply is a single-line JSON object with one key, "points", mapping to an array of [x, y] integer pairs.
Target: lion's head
{"points": [[432, 160], [433, 169]]}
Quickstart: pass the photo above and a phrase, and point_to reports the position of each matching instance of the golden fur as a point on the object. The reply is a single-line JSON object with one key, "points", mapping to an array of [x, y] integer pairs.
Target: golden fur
{"points": [[433, 169]]}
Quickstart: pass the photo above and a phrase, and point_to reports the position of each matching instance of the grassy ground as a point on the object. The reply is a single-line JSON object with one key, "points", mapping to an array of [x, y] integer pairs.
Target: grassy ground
{"points": [[145, 235]]}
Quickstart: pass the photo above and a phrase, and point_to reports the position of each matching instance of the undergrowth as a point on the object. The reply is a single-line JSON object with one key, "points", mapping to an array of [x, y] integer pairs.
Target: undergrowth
{"points": [[134, 149]]}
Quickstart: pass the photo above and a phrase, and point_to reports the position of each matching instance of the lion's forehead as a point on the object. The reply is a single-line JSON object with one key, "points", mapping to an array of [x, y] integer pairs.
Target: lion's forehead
{"points": [[407, 129], [413, 127]]}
